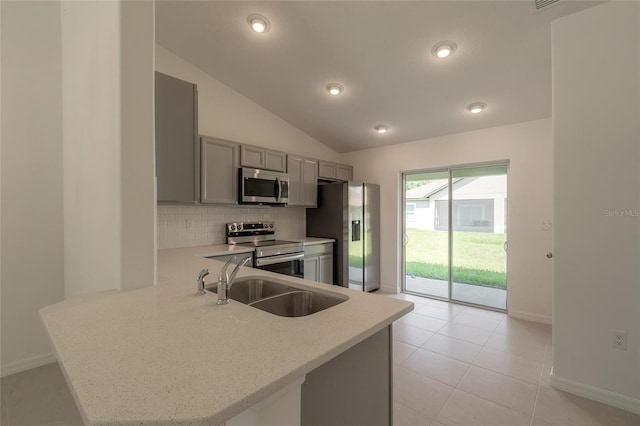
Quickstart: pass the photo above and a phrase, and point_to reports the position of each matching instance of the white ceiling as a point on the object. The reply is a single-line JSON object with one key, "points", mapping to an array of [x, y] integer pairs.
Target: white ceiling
{"points": [[381, 53]]}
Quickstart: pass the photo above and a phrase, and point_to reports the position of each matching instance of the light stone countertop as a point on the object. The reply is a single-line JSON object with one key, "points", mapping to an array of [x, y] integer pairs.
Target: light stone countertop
{"points": [[310, 241], [161, 355], [223, 249]]}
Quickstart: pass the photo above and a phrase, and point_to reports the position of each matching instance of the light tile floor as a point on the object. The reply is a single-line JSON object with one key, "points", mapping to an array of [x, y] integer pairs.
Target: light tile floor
{"points": [[453, 365], [461, 366], [38, 397]]}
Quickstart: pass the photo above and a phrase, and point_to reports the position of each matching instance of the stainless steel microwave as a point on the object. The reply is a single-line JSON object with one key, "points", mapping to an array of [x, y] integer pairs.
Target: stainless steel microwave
{"points": [[259, 186]]}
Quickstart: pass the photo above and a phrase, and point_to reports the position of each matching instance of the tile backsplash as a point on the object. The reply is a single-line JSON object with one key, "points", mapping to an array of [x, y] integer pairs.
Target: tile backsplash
{"points": [[184, 226]]}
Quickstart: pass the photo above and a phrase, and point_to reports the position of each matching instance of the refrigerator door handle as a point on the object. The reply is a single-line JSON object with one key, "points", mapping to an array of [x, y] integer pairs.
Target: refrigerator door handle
{"points": [[355, 230]]}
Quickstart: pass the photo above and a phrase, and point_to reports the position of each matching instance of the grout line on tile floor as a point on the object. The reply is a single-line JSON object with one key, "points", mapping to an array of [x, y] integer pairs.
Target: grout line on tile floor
{"points": [[431, 420], [445, 403], [472, 363], [535, 403], [438, 353], [461, 340], [480, 397], [494, 402]]}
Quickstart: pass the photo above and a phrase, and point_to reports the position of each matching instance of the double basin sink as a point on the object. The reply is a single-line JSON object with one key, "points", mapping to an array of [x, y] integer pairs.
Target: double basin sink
{"points": [[279, 297]]}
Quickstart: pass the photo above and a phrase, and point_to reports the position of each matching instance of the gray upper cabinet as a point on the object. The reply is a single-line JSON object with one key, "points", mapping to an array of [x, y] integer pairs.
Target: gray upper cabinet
{"points": [[303, 181], [177, 151], [332, 171], [326, 170], [260, 158], [219, 171], [274, 160], [344, 172], [252, 156]]}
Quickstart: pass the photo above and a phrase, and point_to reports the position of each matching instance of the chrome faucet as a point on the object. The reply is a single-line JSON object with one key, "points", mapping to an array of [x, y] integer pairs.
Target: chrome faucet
{"points": [[225, 281], [201, 276]]}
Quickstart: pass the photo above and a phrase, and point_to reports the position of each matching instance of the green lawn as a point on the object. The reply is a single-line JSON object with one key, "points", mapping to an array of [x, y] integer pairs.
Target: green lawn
{"points": [[478, 257]]}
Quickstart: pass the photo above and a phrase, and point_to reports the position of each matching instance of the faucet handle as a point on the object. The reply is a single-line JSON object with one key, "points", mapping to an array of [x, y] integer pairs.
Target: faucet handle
{"points": [[203, 274], [200, 282]]}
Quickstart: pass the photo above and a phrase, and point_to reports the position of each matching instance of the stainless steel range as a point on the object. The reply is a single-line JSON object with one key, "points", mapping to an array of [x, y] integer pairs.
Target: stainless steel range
{"points": [[283, 257]]}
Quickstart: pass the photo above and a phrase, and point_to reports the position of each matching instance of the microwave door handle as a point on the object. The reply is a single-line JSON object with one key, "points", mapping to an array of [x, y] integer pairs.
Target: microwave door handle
{"points": [[277, 189]]}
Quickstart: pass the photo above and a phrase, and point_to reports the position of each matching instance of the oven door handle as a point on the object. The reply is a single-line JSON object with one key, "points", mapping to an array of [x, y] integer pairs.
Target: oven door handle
{"points": [[271, 260]]}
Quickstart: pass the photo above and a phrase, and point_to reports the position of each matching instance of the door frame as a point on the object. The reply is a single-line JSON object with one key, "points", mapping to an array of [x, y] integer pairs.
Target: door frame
{"points": [[403, 224]]}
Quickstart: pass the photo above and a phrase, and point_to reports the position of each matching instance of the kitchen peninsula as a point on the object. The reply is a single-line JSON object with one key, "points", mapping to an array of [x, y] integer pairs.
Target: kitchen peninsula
{"points": [[161, 355]]}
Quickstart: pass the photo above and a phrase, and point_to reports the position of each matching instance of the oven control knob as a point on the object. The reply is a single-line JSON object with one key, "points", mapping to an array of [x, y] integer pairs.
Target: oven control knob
{"points": [[232, 227], [239, 227], [271, 225]]}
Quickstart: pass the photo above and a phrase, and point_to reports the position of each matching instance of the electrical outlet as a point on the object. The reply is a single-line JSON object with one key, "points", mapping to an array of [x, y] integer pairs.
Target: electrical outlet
{"points": [[189, 224], [547, 225], [619, 339]]}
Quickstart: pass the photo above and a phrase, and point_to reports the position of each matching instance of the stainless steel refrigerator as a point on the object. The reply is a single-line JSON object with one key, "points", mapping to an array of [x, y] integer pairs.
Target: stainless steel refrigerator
{"points": [[349, 212]]}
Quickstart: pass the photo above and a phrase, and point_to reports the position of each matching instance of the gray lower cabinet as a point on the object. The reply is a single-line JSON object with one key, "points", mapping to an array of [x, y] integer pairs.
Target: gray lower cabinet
{"points": [[311, 268], [219, 171], [303, 181], [325, 269], [318, 263], [260, 158], [333, 171], [354, 388], [177, 151]]}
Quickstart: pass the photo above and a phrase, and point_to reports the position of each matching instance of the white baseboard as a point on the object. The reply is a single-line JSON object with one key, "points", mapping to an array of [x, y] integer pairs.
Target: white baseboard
{"points": [[529, 317], [601, 395], [27, 364]]}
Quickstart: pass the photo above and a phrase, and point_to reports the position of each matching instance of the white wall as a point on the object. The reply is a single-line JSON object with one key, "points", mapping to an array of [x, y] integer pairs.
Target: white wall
{"points": [[225, 113], [108, 141], [596, 111], [138, 144], [528, 147], [32, 268], [91, 145], [78, 206]]}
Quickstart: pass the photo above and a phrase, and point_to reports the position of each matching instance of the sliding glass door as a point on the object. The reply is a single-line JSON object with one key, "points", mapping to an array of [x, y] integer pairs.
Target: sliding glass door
{"points": [[455, 228], [425, 233]]}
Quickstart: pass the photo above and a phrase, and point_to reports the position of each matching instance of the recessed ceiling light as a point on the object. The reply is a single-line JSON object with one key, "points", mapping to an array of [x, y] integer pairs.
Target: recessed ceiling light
{"points": [[443, 49], [335, 88], [258, 23], [476, 107], [381, 128]]}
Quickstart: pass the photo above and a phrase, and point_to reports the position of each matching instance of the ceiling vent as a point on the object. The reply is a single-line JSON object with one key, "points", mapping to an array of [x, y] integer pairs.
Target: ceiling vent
{"points": [[539, 5]]}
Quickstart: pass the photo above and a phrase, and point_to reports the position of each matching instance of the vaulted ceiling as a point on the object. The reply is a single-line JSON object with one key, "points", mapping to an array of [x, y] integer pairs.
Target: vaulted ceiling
{"points": [[381, 52]]}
